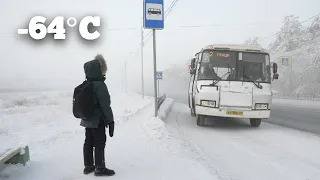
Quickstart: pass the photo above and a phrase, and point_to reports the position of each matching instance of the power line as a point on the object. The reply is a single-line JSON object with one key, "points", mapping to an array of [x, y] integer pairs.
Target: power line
{"points": [[178, 26], [169, 9], [222, 25], [212, 25], [173, 4], [198, 26], [280, 32]]}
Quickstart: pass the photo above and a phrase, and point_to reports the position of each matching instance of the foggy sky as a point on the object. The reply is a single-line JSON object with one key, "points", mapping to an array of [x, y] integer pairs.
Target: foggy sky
{"points": [[58, 63]]}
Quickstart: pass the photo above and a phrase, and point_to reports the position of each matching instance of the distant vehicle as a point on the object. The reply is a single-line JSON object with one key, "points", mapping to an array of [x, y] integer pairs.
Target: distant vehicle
{"points": [[231, 81], [154, 11]]}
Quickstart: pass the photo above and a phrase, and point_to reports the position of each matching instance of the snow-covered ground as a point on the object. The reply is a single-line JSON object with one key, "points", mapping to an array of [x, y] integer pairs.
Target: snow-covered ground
{"points": [[142, 147], [147, 148], [235, 151]]}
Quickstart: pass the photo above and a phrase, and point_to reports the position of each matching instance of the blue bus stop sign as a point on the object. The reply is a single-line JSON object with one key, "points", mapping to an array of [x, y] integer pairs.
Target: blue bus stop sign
{"points": [[159, 75], [153, 14]]}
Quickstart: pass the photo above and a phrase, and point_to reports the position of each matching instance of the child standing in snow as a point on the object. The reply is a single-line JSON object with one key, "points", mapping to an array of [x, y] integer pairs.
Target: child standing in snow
{"points": [[95, 126]]}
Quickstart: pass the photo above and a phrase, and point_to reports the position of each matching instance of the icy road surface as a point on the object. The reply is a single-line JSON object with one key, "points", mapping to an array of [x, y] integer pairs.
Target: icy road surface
{"points": [[297, 114], [235, 151]]}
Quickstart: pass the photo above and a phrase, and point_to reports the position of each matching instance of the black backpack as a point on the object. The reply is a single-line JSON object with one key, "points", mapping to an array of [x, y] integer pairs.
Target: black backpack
{"points": [[83, 100]]}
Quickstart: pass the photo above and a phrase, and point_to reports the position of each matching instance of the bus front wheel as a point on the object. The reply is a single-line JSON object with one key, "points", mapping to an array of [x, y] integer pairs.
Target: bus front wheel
{"points": [[255, 122], [200, 120]]}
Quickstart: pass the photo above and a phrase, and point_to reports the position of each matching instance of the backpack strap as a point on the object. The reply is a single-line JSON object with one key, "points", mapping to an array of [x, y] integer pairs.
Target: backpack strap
{"points": [[91, 81]]}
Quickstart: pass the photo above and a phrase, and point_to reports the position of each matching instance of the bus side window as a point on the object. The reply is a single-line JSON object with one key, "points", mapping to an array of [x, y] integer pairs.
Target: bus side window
{"points": [[240, 56], [198, 60]]}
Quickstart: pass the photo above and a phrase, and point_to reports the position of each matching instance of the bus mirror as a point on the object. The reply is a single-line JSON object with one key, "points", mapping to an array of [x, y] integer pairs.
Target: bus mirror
{"points": [[275, 76], [275, 68], [193, 60]]}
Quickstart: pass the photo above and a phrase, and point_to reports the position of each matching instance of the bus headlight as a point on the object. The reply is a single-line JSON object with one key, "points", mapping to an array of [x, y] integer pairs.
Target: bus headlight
{"points": [[261, 106], [208, 103]]}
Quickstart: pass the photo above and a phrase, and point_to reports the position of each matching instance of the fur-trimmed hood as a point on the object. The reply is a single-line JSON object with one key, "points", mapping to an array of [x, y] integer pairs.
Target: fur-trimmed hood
{"points": [[97, 68], [102, 62]]}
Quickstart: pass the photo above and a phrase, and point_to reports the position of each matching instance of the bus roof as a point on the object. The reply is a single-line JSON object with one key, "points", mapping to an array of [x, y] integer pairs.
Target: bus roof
{"points": [[234, 47]]}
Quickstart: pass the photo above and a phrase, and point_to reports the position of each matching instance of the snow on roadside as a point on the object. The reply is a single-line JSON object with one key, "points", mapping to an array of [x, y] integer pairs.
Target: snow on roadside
{"points": [[165, 108], [141, 148], [41, 118], [297, 103]]}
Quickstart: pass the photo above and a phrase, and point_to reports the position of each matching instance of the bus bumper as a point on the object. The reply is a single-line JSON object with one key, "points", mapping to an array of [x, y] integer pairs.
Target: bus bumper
{"points": [[233, 113]]}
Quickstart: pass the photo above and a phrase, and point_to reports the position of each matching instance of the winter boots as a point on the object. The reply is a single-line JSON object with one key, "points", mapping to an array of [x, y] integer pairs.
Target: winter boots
{"points": [[103, 171], [98, 171], [88, 169]]}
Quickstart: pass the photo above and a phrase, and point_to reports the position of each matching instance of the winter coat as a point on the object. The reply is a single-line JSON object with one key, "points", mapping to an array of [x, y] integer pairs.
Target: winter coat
{"points": [[95, 71]]}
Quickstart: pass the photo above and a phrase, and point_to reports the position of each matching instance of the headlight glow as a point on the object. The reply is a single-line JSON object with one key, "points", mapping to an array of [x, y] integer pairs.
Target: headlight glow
{"points": [[261, 106]]}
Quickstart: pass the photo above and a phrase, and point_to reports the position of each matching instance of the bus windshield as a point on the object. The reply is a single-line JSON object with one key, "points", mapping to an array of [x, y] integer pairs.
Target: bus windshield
{"points": [[255, 66], [216, 65], [234, 66]]}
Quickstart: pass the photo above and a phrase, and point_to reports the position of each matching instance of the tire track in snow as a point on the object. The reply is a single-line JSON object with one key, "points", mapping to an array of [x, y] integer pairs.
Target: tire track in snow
{"points": [[277, 154], [202, 157], [269, 152]]}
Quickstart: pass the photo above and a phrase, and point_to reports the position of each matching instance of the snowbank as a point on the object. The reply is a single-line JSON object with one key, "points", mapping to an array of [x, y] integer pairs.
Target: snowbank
{"points": [[165, 108], [297, 103], [142, 148]]}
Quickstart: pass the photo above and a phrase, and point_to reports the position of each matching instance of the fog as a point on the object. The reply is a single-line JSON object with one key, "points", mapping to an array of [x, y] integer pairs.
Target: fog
{"points": [[58, 64]]}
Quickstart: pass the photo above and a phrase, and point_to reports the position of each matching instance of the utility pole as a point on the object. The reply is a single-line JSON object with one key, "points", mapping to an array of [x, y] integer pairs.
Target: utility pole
{"points": [[125, 71], [291, 86], [142, 45], [125, 74]]}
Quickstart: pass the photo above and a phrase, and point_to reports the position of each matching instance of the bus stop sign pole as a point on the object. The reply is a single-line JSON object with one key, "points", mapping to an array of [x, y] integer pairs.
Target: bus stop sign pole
{"points": [[153, 18], [155, 73]]}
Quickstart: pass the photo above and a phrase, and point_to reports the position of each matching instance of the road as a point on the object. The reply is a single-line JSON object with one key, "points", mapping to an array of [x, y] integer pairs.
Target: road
{"points": [[288, 116], [296, 117], [232, 150], [300, 118]]}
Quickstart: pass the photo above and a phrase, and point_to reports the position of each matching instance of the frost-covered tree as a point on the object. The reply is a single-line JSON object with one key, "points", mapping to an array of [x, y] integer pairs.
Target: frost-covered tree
{"points": [[290, 37], [310, 78], [253, 42], [311, 75], [303, 45], [314, 29]]}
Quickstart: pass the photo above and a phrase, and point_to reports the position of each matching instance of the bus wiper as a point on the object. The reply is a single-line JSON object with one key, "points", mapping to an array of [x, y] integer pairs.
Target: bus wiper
{"points": [[245, 76], [215, 81], [255, 83]]}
